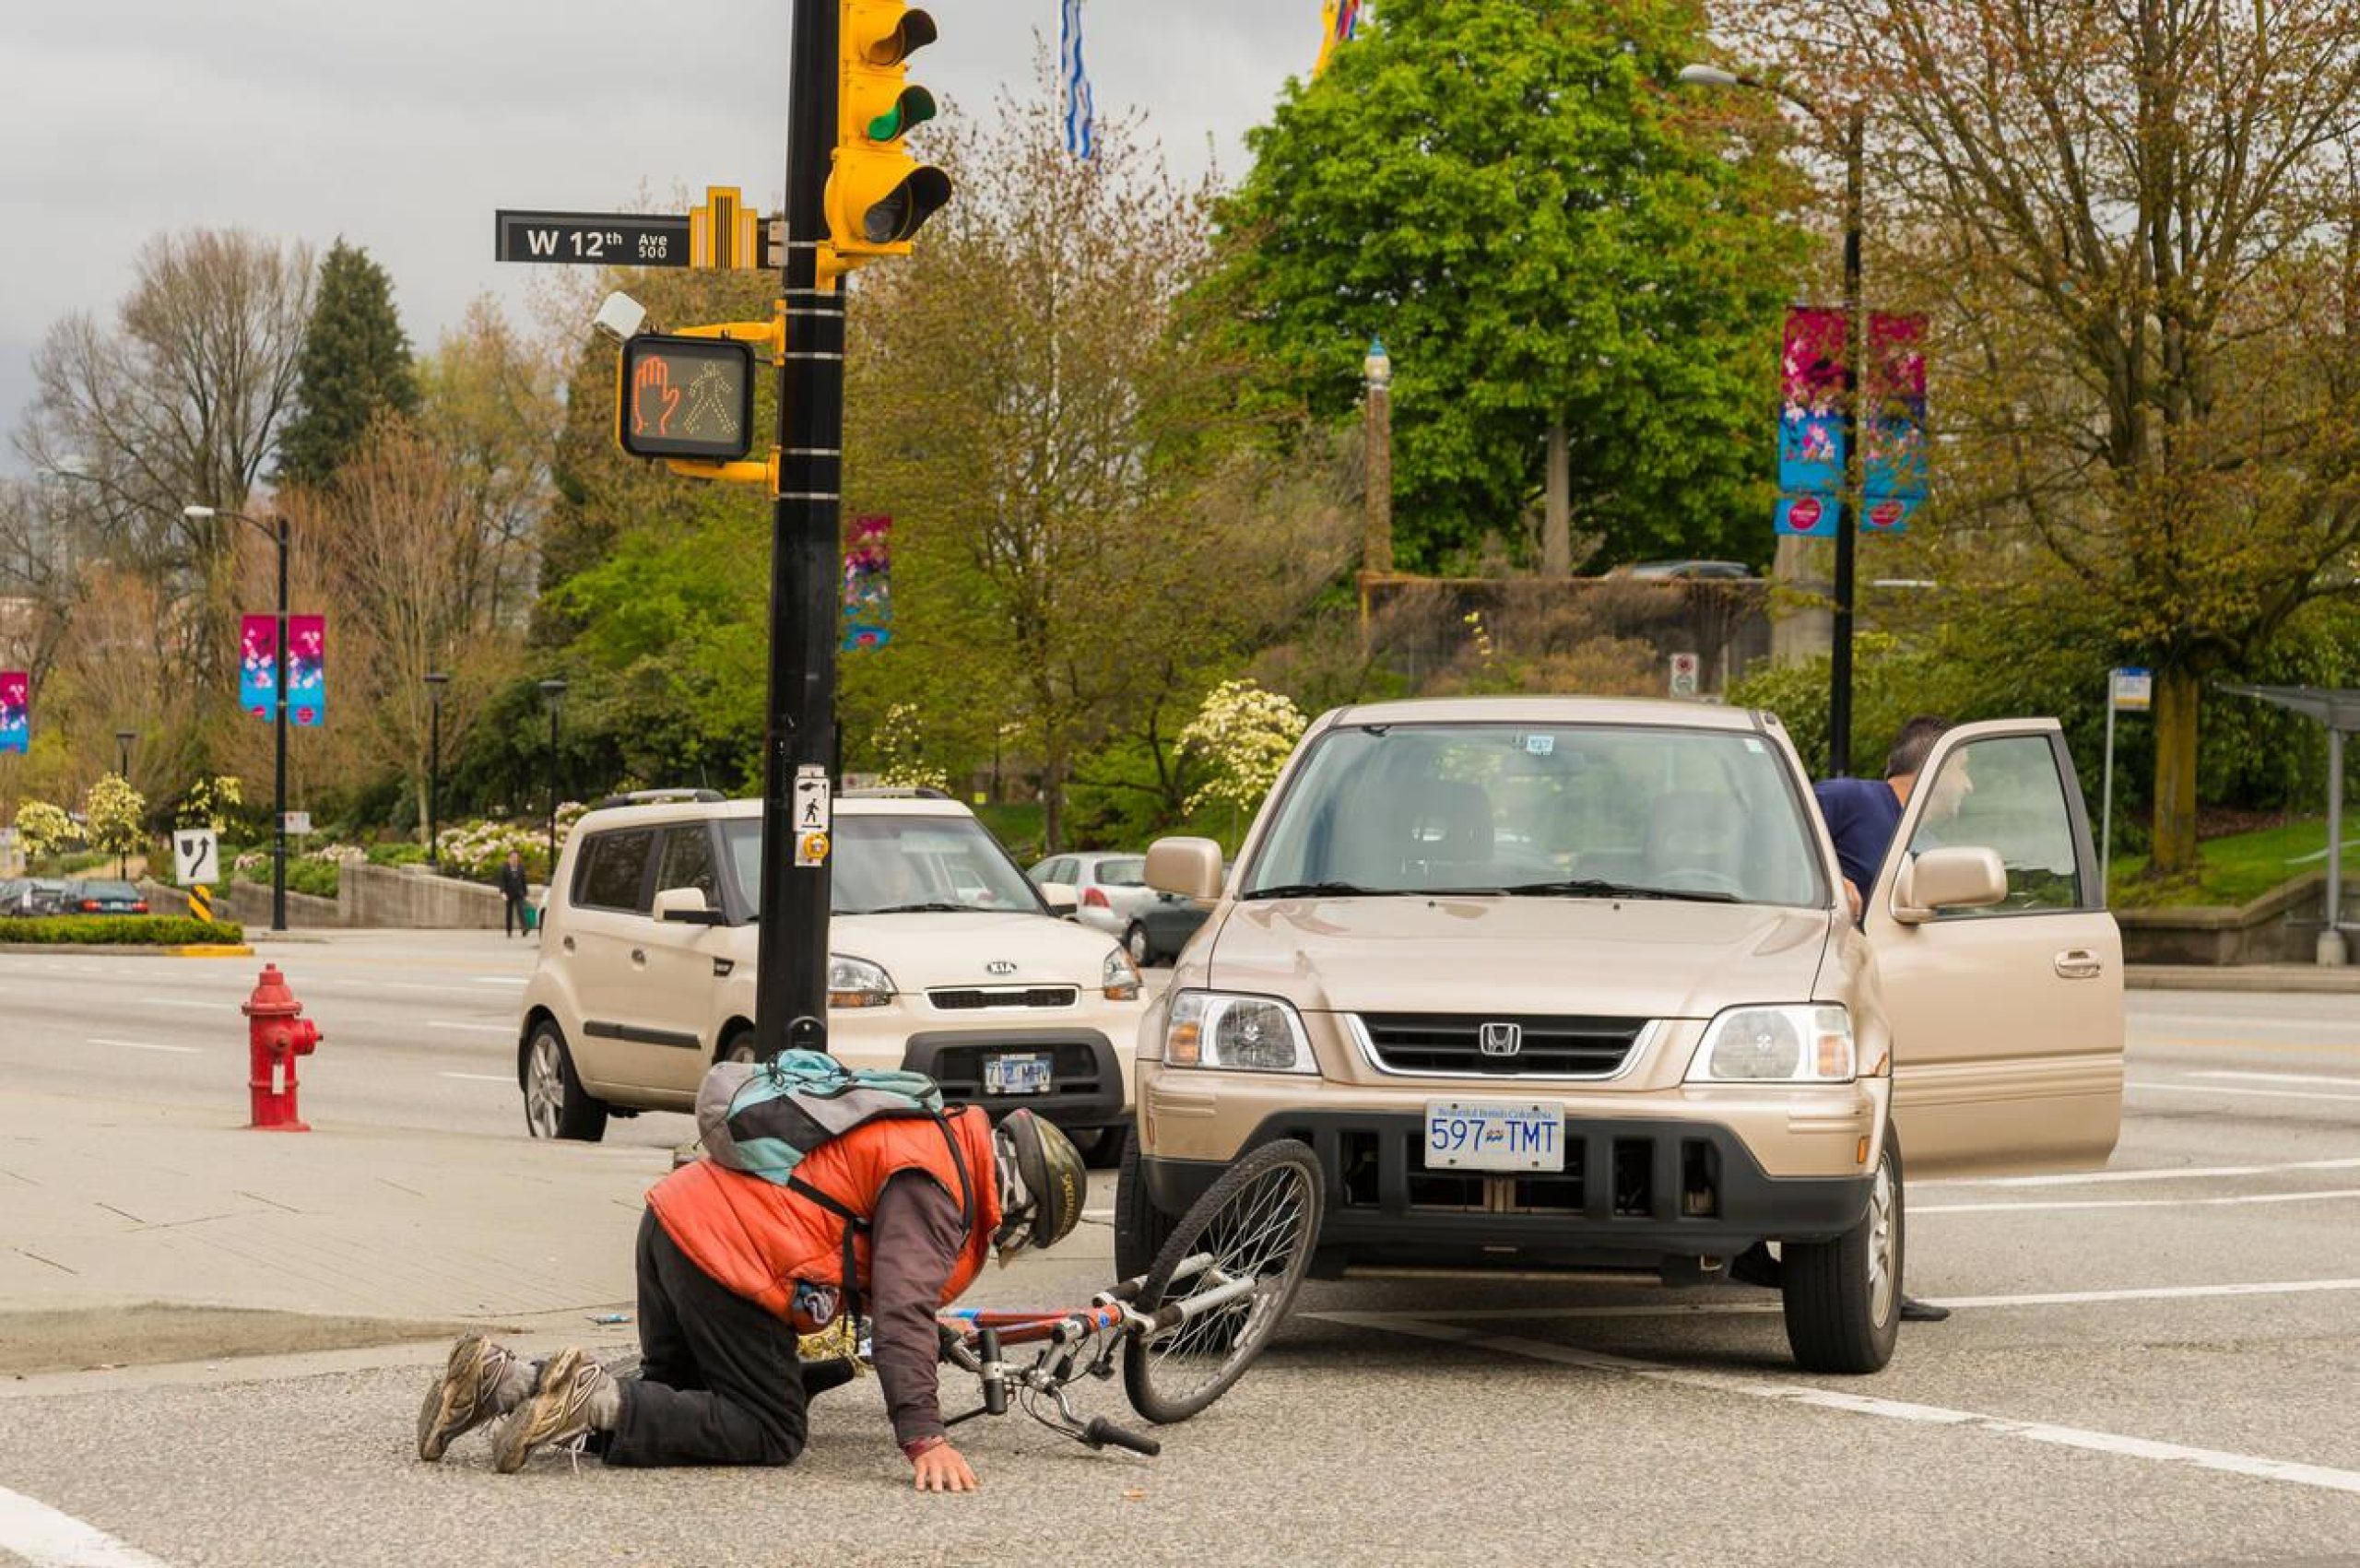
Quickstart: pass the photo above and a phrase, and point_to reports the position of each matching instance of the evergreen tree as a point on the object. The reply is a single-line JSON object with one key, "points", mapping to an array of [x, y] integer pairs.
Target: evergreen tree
{"points": [[356, 365]]}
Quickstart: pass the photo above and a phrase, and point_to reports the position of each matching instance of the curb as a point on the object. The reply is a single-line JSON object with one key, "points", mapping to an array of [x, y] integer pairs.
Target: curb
{"points": [[130, 949], [2258, 978]]}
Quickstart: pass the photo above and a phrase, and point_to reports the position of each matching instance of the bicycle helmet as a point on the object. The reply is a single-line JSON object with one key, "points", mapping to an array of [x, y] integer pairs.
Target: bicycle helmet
{"points": [[1042, 1184]]}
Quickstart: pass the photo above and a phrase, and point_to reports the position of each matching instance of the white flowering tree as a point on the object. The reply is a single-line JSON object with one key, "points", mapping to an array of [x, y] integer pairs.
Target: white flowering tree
{"points": [[1245, 734], [113, 810], [899, 746], [209, 802], [43, 829]]}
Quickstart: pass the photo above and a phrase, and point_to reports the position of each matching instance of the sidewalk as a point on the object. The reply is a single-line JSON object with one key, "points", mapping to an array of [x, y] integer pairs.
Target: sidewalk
{"points": [[2249, 977], [110, 1204]]}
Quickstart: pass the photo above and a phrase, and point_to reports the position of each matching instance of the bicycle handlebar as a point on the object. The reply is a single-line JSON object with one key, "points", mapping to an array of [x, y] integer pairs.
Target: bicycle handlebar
{"points": [[1099, 1433]]}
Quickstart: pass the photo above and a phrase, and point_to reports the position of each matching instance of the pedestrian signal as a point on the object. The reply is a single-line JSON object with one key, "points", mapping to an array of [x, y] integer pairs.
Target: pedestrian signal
{"points": [[685, 398], [879, 195]]}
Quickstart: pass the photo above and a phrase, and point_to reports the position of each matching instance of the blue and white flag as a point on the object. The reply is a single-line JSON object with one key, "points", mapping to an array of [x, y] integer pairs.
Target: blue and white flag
{"points": [[1081, 126]]}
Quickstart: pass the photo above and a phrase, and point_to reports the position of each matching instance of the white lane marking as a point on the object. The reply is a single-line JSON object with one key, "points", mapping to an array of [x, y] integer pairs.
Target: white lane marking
{"points": [[2162, 1173], [146, 1045], [482, 1077], [2345, 1082], [472, 1028], [2153, 1086], [47, 1539], [1746, 1308], [1918, 1210], [500, 980], [2114, 1443]]}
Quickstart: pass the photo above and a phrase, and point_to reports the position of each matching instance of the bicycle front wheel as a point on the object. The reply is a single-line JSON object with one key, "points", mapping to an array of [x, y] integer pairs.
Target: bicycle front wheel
{"points": [[1229, 1271]]}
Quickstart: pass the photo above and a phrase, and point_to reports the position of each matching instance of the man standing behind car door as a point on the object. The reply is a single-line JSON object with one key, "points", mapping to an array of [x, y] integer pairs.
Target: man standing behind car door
{"points": [[1862, 816]]}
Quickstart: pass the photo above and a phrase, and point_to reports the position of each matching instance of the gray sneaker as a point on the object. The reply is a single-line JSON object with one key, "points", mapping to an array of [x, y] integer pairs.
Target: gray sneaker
{"points": [[482, 1380], [575, 1397]]}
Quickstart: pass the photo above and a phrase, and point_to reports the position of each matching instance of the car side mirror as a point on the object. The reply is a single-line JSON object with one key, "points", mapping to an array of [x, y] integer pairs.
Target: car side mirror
{"points": [[686, 906], [1061, 897], [1190, 868], [1948, 879]]}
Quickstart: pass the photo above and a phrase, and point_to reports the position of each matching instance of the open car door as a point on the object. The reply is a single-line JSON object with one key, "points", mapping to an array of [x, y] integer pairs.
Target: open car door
{"points": [[2007, 1018]]}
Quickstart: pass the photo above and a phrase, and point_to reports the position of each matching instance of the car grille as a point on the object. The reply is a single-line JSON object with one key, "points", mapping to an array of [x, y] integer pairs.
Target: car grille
{"points": [[1452, 1044], [977, 998]]}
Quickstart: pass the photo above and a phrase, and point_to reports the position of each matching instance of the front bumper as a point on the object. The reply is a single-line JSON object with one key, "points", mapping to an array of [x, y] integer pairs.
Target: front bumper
{"points": [[1634, 1192]]}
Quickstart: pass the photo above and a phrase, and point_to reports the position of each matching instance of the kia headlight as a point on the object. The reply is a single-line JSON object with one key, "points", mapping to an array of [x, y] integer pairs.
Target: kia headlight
{"points": [[857, 983], [1119, 977], [1207, 1029], [1806, 1043]]}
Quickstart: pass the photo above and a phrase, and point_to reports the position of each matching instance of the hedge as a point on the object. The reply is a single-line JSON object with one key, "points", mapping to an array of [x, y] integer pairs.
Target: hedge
{"points": [[122, 930]]}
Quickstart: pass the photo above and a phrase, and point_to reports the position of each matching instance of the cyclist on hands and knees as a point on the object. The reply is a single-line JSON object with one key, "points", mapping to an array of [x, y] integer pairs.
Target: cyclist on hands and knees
{"points": [[893, 1219]]}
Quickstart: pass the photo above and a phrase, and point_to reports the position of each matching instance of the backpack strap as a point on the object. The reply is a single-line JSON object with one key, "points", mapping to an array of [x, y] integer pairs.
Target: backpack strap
{"points": [[853, 1225]]}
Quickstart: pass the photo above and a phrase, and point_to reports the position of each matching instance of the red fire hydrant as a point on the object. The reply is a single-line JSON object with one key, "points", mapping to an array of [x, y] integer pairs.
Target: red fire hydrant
{"points": [[275, 1037]]}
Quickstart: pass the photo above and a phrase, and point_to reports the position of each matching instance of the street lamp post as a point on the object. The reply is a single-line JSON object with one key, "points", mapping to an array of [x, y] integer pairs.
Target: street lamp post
{"points": [[275, 531], [553, 692], [1376, 525], [122, 739], [1855, 339], [435, 682]]}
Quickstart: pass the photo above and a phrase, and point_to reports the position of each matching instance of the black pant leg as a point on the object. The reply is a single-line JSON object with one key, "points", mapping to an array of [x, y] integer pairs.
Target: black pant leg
{"points": [[752, 1409], [664, 1353]]}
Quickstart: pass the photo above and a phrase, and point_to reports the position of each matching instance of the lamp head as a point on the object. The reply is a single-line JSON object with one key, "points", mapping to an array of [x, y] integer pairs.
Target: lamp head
{"points": [[1708, 76], [199, 514]]}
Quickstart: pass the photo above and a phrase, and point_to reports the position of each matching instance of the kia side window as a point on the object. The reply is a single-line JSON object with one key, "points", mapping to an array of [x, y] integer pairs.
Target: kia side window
{"points": [[688, 863], [616, 876], [2004, 794]]}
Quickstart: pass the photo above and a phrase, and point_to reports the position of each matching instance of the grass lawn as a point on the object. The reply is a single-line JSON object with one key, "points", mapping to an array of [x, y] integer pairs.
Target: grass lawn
{"points": [[2239, 868]]}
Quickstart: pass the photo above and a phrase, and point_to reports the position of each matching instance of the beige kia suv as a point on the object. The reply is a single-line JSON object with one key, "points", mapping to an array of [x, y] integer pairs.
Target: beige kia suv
{"points": [[1572, 984], [943, 958]]}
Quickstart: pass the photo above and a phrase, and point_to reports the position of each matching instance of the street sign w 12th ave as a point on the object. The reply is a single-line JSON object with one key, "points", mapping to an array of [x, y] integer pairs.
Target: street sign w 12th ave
{"points": [[592, 239]]}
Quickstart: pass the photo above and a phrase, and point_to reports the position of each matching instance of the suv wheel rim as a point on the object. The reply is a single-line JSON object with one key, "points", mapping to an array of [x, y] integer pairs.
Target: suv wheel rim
{"points": [[1885, 1245], [544, 1087]]}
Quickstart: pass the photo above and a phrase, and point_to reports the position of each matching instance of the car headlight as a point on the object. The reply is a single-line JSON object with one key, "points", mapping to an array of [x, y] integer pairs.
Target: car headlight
{"points": [[1805, 1042], [1207, 1029], [857, 983], [1119, 977]]}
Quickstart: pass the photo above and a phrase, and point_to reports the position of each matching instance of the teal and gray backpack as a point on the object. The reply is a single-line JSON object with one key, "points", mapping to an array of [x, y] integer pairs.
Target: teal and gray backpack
{"points": [[764, 1117]]}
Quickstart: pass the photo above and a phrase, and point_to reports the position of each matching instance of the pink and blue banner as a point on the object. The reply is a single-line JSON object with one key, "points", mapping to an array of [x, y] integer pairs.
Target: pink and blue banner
{"points": [[307, 669], [1891, 424], [16, 711], [257, 664], [869, 584]]}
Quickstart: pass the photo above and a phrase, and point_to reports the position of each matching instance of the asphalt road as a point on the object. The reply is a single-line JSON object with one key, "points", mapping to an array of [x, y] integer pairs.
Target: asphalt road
{"points": [[2154, 1365]]}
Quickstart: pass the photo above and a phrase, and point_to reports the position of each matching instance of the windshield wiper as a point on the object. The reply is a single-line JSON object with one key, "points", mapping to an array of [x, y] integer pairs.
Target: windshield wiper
{"points": [[1591, 888], [923, 909], [1322, 891]]}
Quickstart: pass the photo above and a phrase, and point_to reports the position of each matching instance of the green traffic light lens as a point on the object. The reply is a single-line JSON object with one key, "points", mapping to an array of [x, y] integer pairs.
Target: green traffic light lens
{"points": [[915, 107]]}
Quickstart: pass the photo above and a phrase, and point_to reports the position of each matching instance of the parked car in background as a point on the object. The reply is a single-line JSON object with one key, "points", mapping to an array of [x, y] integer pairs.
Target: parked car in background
{"points": [[944, 961], [35, 897], [1160, 930], [1684, 571], [1109, 888], [104, 898]]}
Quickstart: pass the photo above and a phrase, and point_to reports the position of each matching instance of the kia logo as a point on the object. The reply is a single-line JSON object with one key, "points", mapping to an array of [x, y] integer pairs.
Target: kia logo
{"points": [[1000, 966], [1501, 1039]]}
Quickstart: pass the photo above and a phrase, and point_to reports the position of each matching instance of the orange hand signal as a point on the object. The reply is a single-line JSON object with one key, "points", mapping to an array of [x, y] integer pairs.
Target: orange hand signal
{"points": [[652, 377]]}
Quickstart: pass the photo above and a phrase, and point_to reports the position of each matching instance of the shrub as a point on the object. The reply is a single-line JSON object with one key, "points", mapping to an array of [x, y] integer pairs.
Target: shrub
{"points": [[121, 930], [42, 828], [397, 854]]}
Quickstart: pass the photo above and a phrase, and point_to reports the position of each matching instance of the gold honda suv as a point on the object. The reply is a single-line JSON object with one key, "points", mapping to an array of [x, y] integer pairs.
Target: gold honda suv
{"points": [[1573, 984]]}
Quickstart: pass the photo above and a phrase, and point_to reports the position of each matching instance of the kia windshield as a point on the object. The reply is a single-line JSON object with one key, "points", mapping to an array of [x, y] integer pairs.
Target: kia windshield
{"points": [[891, 864], [1539, 812]]}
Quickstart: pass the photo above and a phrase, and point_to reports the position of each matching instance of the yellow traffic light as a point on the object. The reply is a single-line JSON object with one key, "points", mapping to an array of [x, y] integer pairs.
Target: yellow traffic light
{"points": [[879, 195]]}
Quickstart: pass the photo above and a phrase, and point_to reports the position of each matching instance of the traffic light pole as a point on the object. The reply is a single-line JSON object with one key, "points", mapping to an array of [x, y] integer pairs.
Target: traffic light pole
{"points": [[791, 973]]}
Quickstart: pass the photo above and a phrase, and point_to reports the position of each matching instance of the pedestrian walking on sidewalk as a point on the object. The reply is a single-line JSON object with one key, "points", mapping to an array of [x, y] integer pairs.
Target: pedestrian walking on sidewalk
{"points": [[513, 888], [893, 1219]]}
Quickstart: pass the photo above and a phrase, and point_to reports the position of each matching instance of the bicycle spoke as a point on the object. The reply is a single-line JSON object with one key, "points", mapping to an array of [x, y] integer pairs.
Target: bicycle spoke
{"points": [[1255, 1239]]}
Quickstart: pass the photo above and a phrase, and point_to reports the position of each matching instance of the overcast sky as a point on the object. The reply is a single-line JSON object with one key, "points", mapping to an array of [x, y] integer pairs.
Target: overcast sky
{"points": [[404, 126]]}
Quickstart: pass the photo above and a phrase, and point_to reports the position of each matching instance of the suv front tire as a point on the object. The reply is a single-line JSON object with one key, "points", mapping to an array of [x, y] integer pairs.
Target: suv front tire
{"points": [[1843, 1297]]}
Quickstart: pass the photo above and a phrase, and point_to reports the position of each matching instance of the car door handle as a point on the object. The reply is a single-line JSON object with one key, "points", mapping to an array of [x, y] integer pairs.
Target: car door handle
{"points": [[2080, 963]]}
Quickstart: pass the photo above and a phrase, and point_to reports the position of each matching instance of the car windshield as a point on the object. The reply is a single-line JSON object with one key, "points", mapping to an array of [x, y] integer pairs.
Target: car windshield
{"points": [[901, 864], [1547, 810]]}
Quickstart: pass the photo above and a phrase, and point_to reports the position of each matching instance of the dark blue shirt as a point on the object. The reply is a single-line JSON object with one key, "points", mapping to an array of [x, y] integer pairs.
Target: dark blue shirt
{"points": [[1862, 815]]}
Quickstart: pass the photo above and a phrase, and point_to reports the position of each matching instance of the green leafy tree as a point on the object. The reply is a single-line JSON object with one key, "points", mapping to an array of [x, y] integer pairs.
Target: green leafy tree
{"points": [[355, 366], [1557, 258]]}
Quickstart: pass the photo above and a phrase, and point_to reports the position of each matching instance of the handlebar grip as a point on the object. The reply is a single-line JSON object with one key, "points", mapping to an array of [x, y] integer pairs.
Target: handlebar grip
{"points": [[1104, 1434]]}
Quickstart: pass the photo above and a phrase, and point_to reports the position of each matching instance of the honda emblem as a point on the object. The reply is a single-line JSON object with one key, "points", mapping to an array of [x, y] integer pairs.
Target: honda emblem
{"points": [[1501, 1039]]}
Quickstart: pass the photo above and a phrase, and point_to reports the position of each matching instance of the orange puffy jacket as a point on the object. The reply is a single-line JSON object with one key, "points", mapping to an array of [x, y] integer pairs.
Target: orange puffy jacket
{"points": [[758, 1238]]}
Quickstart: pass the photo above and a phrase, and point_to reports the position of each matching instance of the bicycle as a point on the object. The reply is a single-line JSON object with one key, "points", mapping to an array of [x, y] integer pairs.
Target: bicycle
{"points": [[1185, 1331]]}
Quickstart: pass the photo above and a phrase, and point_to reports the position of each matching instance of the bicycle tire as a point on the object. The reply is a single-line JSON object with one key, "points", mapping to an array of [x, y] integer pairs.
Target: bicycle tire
{"points": [[1262, 1217]]}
